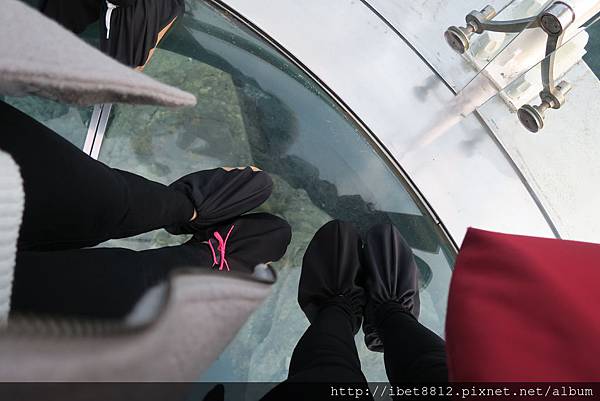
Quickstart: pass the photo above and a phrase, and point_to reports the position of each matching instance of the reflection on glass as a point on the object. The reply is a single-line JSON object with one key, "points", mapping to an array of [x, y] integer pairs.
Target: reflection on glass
{"points": [[565, 63], [528, 48], [68, 121], [256, 108], [503, 56], [500, 111]]}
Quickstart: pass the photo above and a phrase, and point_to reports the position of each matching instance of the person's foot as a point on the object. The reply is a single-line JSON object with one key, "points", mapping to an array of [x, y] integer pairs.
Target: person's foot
{"points": [[391, 276], [219, 195], [330, 268], [244, 245]]}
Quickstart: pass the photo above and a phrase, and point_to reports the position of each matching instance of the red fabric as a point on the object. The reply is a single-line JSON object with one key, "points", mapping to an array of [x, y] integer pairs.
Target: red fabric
{"points": [[524, 309]]}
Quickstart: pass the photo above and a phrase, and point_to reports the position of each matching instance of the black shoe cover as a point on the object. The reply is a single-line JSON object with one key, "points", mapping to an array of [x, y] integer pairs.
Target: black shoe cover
{"points": [[330, 268], [391, 276], [221, 195], [242, 244]]}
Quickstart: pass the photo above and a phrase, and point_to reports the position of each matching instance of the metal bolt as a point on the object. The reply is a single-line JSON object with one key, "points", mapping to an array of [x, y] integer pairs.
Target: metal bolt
{"points": [[458, 38], [532, 117], [557, 18], [564, 87], [488, 12]]}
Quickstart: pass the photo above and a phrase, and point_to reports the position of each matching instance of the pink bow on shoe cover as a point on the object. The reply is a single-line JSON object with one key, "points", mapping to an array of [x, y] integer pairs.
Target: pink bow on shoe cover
{"points": [[220, 248]]}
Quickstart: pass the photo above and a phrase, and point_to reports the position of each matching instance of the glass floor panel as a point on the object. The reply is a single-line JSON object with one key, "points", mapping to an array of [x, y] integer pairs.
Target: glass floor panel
{"points": [[70, 122], [256, 108]]}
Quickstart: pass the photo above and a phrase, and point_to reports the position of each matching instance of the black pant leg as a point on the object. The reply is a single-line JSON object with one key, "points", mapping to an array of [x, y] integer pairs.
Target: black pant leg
{"points": [[95, 282], [325, 354], [412, 352], [72, 200], [328, 344]]}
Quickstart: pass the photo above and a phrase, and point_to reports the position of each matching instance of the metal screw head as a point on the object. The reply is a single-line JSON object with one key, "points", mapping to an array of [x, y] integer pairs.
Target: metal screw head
{"points": [[531, 117], [458, 38]]}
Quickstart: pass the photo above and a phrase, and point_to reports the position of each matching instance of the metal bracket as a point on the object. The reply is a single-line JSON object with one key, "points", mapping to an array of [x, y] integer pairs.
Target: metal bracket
{"points": [[554, 20], [96, 129]]}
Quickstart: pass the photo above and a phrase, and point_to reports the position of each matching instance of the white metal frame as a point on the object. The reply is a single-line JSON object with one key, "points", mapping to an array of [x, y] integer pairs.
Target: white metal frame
{"points": [[96, 130]]}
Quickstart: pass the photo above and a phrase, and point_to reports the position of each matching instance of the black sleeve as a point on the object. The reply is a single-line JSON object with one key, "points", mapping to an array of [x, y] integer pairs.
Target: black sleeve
{"points": [[124, 3], [73, 15]]}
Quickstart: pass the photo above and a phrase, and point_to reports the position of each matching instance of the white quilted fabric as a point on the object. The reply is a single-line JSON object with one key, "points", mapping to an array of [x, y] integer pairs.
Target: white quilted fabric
{"points": [[11, 212], [203, 313]]}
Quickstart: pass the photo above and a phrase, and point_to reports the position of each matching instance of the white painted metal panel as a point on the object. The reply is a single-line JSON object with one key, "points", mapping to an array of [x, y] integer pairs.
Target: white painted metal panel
{"points": [[560, 163]]}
